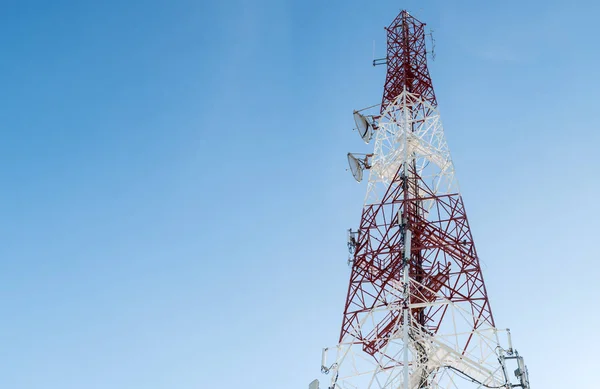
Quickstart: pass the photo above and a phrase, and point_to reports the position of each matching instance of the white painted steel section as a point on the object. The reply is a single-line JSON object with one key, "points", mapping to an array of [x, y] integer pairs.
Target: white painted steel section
{"points": [[404, 135]]}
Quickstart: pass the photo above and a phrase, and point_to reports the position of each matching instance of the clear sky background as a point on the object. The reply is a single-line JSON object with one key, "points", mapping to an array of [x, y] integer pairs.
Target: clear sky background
{"points": [[174, 200]]}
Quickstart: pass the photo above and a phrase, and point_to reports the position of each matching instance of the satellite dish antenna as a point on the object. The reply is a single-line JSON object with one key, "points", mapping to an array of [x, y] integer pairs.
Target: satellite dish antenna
{"points": [[357, 166], [364, 127]]}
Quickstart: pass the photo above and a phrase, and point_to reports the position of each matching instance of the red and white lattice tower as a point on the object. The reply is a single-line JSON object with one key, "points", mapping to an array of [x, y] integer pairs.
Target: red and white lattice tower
{"points": [[417, 314]]}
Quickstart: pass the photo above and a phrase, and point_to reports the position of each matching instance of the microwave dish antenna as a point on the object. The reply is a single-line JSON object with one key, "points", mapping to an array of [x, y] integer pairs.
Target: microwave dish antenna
{"points": [[358, 165], [365, 126]]}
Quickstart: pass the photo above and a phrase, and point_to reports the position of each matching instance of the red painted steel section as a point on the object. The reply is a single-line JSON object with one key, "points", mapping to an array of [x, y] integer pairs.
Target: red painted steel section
{"points": [[443, 256], [407, 61]]}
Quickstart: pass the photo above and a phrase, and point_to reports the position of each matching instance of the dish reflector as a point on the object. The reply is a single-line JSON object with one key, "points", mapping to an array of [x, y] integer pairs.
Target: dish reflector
{"points": [[365, 129], [355, 167]]}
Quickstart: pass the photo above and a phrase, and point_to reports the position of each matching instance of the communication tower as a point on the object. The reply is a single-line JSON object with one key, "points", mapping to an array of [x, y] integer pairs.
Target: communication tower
{"points": [[417, 314]]}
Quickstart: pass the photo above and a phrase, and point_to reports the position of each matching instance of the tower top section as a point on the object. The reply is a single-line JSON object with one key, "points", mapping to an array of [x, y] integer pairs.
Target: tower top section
{"points": [[407, 61]]}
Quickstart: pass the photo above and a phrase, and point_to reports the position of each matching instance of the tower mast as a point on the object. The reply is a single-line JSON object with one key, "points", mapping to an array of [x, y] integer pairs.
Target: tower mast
{"points": [[417, 314]]}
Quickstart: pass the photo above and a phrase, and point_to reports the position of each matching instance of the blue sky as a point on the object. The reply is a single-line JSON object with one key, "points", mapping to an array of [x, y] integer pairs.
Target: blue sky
{"points": [[174, 197]]}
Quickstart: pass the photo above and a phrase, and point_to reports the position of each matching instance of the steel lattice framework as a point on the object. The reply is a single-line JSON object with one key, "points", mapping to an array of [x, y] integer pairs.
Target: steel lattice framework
{"points": [[417, 313], [406, 61]]}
